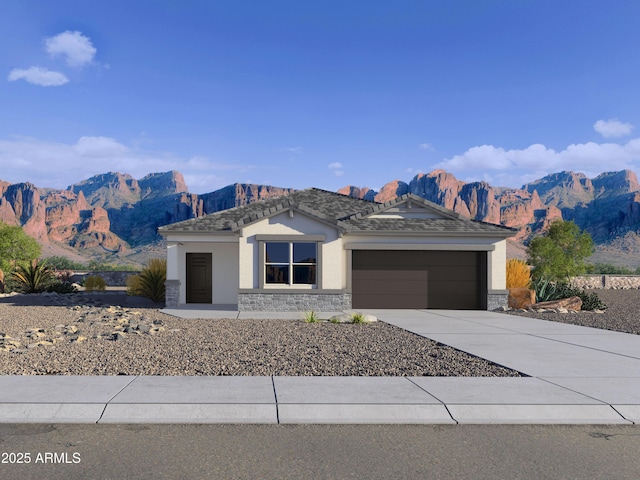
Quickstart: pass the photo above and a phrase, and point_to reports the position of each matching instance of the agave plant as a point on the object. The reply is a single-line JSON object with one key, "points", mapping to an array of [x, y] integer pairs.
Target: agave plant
{"points": [[545, 289], [33, 276]]}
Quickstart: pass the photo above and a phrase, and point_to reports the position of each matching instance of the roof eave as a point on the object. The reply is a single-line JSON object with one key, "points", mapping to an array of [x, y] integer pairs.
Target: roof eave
{"points": [[404, 233]]}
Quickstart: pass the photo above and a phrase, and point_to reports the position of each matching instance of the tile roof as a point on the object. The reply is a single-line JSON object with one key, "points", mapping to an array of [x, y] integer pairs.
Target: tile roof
{"points": [[347, 213]]}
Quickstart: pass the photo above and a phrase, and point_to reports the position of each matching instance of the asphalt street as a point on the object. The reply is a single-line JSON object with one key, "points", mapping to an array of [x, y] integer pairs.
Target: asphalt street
{"points": [[318, 452]]}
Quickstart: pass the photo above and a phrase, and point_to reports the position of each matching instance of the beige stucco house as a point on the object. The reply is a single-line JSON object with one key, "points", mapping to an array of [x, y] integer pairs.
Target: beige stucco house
{"points": [[319, 250]]}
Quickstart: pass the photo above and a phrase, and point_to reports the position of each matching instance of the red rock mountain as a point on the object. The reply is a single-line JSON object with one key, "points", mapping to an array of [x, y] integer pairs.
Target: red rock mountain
{"points": [[607, 206], [113, 212]]}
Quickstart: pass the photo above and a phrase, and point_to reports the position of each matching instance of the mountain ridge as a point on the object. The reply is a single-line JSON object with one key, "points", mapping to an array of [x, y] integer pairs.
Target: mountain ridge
{"points": [[114, 214]]}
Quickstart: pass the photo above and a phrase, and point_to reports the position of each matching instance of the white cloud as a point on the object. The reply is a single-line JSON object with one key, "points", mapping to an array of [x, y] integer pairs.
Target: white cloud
{"points": [[38, 76], [537, 160], [336, 169], [425, 146], [612, 128], [57, 165], [295, 149], [76, 48], [99, 147]]}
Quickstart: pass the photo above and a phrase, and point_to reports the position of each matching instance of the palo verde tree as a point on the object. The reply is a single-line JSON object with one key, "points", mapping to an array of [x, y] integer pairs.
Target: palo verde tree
{"points": [[16, 246], [560, 253]]}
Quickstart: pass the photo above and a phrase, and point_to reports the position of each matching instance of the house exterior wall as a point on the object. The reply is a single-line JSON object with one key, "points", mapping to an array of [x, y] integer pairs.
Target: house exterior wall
{"points": [[236, 268], [225, 271], [331, 264]]}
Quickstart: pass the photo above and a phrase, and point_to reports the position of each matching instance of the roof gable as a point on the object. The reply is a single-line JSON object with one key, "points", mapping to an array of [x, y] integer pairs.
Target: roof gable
{"points": [[408, 206], [328, 207]]}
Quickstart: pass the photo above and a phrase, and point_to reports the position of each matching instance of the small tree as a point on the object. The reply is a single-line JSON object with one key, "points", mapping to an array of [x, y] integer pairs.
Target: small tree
{"points": [[16, 246], [560, 253]]}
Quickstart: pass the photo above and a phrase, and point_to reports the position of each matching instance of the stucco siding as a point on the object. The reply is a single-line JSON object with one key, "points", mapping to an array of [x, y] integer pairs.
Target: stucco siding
{"points": [[283, 224]]}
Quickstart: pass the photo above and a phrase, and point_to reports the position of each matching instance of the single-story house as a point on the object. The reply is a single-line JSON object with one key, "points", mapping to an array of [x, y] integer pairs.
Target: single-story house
{"points": [[323, 251]]}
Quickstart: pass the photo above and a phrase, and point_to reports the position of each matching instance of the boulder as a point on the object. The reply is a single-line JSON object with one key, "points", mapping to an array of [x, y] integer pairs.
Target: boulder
{"points": [[571, 303], [521, 298]]}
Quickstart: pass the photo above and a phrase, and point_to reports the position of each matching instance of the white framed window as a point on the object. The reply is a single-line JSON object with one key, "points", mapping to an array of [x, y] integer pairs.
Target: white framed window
{"points": [[290, 263]]}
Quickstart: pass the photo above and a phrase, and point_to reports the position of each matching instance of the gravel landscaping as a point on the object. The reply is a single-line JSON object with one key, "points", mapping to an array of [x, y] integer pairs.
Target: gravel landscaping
{"points": [[117, 335], [622, 313]]}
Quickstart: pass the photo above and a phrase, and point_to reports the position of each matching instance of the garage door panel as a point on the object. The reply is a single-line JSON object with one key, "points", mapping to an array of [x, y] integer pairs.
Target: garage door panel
{"points": [[395, 301], [454, 302], [399, 288], [418, 279]]}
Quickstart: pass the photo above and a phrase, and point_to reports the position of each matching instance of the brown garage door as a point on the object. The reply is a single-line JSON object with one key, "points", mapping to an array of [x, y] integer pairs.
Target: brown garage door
{"points": [[418, 279]]}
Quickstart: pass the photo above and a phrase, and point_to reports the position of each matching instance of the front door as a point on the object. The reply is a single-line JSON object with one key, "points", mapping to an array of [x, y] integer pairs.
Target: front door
{"points": [[199, 278]]}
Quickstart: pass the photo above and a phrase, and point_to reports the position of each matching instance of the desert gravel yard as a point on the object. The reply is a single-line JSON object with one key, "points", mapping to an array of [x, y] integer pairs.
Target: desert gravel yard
{"points": [[622, 313], [96, 339]]}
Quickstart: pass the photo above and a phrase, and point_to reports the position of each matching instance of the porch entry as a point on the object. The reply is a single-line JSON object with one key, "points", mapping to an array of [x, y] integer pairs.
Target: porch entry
{"points": [[199, 273]]}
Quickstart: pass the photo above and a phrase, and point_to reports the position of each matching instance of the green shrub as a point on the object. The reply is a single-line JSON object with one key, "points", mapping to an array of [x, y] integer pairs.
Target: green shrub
{"points": [[150, 282], [62, 288], [590, 301], [63, 263], [311, 317], [33, 276], [548, 291], [94, 282], [357, 317]]}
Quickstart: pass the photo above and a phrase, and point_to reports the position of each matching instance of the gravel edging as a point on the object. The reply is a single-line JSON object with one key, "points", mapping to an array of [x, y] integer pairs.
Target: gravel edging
{"points": [[143, 341], [622, 313]]}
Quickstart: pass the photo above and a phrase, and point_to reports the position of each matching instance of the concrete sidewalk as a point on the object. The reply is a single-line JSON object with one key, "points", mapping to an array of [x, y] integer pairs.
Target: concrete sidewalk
{"points": [[577, 375]]}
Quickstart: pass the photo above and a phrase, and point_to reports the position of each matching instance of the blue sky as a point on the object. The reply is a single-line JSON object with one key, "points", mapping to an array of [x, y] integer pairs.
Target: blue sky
{"points": [[326, 94]]}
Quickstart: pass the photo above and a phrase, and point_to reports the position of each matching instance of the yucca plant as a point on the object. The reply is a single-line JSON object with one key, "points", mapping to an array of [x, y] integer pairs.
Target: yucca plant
{"points": [[150, 282], [518, 274], [33, 276]]}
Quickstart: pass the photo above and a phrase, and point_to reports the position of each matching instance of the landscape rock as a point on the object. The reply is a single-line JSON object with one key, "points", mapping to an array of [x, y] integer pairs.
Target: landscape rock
{"points": [[521, 297], [571, 303]]}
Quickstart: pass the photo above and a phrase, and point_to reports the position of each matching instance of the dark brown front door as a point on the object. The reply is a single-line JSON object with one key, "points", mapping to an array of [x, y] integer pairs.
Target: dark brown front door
{"points": [[199, 278], [418, 279]]}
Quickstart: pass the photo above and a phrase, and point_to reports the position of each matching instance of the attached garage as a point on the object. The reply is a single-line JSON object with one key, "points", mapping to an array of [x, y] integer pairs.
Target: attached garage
{"points": [[419, 279]]}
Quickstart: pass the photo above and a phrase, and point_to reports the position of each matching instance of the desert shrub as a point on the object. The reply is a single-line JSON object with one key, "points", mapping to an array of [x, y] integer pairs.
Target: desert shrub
{"points": [[518, 274], [590, 301], [150, 282], [547, 291], [94, 282], [63, 263], [62, 288], [609, 269], [99, 266], [357, 317], [311, 317], [63, 276], [133, 285], [32, 277]]}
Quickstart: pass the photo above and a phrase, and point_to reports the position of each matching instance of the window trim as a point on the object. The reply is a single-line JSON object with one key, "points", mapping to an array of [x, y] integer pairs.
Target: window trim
{"points": [[262, 264]]}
